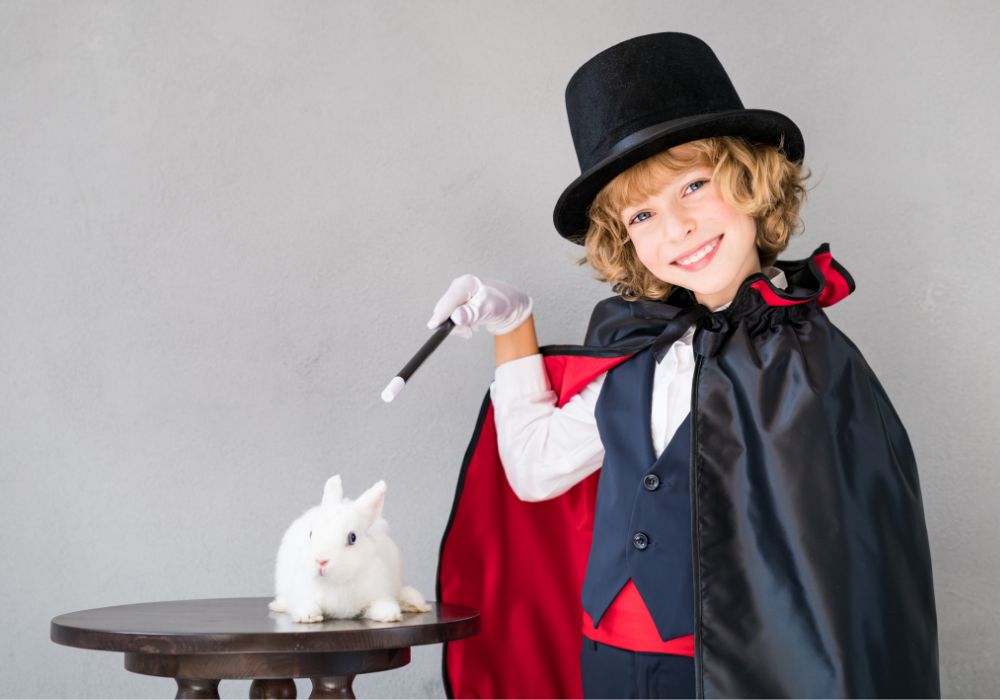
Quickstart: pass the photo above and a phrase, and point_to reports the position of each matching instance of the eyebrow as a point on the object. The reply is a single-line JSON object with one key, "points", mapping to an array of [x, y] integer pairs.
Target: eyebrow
{"points": [[627, 211]]}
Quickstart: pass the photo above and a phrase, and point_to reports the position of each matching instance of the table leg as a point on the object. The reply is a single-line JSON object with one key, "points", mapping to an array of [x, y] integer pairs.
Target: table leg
{"points": [[197, 688], [332, 687], [278, 688]]}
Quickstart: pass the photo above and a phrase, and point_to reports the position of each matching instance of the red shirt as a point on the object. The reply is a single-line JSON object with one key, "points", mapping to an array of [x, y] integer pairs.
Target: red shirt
{"points": [[627, 624]]}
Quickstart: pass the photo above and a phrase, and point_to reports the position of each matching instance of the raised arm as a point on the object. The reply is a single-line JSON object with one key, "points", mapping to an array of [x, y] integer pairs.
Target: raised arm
{"points": [[545, 450]]}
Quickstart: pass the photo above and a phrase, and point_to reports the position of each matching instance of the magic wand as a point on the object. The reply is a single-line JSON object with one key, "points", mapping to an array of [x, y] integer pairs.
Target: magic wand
{"points": [[397, 383]]}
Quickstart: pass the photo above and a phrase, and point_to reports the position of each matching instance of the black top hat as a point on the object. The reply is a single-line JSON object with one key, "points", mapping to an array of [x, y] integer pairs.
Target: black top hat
{"points": [[647, 94]]}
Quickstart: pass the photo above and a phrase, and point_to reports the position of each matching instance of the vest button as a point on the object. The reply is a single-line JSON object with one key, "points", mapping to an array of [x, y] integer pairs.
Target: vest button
{"points": [[640, 540], [651, 482]]}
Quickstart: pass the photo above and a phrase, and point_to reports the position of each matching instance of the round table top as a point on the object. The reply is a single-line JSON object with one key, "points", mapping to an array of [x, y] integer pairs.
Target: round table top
{"points": [[216, 625]]}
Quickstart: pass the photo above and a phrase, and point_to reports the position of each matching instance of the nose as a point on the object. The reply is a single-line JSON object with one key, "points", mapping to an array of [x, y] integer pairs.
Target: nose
{"points": [[678, 227], [322, 562], [675, 229]]}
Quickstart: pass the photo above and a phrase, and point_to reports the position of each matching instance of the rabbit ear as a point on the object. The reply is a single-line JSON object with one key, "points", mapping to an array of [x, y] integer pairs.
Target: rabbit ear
{"points": [[369, 504], [333, 492]]}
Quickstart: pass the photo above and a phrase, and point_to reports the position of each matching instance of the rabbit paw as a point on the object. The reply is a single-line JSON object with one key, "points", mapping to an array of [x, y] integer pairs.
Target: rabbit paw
{"points": [[278, 604], [384, 610], [310, 612], [410, 600]]}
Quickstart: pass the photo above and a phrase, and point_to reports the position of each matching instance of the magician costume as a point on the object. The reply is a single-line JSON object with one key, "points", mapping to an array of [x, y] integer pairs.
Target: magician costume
{"points": [[781, 530]]}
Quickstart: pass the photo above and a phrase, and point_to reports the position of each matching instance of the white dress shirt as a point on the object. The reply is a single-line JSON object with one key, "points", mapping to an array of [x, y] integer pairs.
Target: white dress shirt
{"points": [[547, 450]]}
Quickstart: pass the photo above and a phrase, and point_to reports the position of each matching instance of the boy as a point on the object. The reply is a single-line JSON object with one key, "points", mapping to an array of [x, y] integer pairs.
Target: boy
{"points": [[756, 527]]}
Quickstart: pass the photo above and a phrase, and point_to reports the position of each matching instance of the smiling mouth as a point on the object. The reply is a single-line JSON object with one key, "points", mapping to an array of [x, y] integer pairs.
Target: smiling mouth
{"points": [[699, 256]]}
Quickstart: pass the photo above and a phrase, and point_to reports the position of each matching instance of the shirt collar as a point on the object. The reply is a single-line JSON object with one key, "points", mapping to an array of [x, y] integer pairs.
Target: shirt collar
{"points": [[775, 274]]}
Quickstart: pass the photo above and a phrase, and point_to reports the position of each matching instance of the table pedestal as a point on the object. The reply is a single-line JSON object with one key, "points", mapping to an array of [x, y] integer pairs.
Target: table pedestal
{"points": [[332, 673]]}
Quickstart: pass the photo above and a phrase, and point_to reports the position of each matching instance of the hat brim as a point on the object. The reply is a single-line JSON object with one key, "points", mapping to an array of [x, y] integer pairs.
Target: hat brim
{"points": [[757, 125]]}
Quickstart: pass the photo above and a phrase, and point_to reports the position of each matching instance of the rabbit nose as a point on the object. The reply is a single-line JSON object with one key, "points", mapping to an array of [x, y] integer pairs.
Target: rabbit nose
{"points": [[322, 562]]}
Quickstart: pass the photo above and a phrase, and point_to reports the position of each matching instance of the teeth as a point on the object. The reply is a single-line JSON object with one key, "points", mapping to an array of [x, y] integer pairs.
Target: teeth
{"points": [[700, 254]]}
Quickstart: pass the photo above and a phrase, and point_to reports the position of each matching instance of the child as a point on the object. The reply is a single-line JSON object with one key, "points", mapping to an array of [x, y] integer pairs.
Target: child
{"points": [[713, 494]]}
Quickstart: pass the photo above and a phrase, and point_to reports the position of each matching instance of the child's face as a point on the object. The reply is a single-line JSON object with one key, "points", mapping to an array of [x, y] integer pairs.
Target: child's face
{"points": [[685, 216]]}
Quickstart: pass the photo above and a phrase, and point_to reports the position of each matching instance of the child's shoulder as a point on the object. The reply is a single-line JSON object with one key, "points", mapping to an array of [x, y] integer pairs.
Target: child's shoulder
{"points": [[605, 312], [623, 323]]}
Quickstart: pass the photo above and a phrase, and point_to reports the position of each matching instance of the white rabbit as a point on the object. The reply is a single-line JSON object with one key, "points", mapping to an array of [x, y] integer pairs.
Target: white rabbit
{"points": [[337, 560]]}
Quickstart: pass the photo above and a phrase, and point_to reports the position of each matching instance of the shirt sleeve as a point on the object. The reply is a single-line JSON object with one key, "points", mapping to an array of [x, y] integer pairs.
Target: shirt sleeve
{"points": [[545, 450]]}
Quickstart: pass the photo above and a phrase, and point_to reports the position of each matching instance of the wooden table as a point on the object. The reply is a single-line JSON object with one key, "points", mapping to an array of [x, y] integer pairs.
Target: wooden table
{"points": [[200, 642]]}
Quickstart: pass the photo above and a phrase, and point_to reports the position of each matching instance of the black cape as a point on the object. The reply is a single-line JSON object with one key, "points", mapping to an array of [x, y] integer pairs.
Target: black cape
{"points": [[812, 570]]}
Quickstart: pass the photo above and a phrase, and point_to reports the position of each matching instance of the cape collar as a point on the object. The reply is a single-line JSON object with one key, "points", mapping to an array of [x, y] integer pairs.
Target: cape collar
{"points": [[635, 325]]}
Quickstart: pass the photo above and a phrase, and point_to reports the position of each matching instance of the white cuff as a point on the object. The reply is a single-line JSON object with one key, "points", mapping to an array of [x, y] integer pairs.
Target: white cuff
{"points": [[525, 376]]}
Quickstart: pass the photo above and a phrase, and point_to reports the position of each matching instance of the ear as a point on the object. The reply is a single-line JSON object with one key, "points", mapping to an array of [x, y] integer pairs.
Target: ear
{"points": [[369, 504], [333, 492]]}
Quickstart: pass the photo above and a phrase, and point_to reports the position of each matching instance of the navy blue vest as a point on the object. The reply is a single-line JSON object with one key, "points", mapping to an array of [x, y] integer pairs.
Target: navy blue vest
{"points": [[642, 519]]}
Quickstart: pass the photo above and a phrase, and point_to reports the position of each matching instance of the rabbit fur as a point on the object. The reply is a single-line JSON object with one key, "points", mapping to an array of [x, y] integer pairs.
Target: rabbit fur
{"points": [[337, 560]]}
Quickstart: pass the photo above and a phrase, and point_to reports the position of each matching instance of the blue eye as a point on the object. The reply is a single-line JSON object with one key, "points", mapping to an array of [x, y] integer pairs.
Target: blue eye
{"points": [[696, 182], [636, 219]]}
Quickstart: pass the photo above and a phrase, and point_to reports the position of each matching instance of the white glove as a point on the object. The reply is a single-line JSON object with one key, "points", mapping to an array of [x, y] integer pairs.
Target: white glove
{"points": [[473, 303]]}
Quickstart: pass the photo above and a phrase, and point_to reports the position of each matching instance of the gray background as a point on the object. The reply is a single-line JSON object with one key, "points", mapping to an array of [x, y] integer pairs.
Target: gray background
{"points": [[223, 227]]}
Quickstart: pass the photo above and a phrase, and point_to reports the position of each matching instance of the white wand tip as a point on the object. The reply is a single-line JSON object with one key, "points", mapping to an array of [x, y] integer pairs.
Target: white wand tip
{"points": [[392, 391]]}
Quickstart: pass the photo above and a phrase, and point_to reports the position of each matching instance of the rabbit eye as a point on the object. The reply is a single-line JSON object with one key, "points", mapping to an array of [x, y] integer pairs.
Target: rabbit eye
{"points": [[351, 538], [310, 534]]}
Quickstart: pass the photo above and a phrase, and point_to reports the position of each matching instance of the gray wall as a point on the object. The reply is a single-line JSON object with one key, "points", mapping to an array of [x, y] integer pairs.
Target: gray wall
{"points": [[224, 225]]}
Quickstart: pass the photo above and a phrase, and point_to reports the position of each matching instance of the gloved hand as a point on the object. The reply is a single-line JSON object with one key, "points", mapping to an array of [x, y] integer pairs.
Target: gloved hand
{"points": [[473, 303]]}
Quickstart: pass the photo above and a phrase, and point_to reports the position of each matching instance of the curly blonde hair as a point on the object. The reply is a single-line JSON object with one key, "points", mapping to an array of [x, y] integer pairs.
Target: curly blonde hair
{"points": [[754, 179]]}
